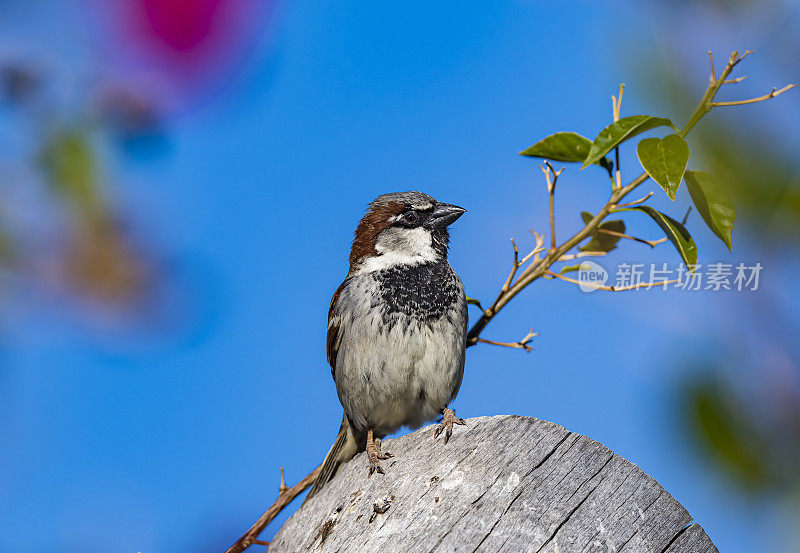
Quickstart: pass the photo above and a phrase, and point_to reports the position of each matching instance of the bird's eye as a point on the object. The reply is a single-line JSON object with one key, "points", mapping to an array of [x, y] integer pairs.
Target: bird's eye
{"points": [[411, 217]]}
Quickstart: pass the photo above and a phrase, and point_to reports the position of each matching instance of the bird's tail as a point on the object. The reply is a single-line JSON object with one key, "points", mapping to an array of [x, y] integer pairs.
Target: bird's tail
{"points": [[343, 449]]}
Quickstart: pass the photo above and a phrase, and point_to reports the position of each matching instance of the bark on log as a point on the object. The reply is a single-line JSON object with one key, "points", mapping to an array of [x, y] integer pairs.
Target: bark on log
{"points": [[502, 484]]}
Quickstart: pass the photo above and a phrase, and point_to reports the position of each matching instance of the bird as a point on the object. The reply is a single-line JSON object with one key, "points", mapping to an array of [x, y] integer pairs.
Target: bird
{"points": [[397, 328]]}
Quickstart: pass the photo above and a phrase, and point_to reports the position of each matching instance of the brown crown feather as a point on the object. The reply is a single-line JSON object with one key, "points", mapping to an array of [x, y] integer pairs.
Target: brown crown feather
{"points": [[372, 224]]}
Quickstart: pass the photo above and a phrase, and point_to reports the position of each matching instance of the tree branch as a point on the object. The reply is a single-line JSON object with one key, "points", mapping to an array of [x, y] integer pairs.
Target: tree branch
{"points": [[540, 266], [285, 496]]}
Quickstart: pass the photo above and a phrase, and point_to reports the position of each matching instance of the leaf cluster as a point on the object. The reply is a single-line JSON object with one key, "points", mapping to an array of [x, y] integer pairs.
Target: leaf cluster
{"points": [[665, 160]]}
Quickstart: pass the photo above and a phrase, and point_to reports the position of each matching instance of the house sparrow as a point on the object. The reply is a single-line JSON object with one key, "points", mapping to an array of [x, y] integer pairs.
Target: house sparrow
{"points": [[396, 328]]}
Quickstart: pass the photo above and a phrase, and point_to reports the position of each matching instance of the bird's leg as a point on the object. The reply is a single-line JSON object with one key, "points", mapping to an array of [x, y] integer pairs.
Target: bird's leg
{"points": [[449, 418], [374, 454]]}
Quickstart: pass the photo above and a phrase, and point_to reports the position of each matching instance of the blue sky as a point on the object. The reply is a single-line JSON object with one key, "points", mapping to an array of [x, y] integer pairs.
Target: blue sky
{"points": [[125, 440]]}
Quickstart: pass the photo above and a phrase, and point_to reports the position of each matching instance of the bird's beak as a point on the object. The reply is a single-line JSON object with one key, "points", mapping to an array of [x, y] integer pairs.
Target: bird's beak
{"points": [[444, 215]]}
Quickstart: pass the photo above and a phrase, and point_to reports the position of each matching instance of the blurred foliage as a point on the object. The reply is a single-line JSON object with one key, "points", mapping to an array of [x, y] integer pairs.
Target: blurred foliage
{"points": [[88, 254], [733, 437], [71, 169], [742, 408]]}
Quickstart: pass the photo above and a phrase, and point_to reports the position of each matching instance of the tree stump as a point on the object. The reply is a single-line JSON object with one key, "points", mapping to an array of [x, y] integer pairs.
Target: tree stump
{"points": [[502, 484]]}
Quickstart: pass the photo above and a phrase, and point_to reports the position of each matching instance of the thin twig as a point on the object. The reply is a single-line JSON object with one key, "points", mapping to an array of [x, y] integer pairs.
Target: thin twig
{"points": [[704, 106], [635, 202], [527, 257], [284, 498], [736, 58], [651, 243], [551, 192], [686, 217], [533, 257], [522, 344], [514, 268], [616, 110], [713, 76], [552, 219], [283, 487], [539, 248], [734, 81], [616, 103], [572, 256], [771, 94], [607, 288]]}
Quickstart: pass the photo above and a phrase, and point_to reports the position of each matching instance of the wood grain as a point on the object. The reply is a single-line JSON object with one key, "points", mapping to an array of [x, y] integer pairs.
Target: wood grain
{"points": [[502, 484]]}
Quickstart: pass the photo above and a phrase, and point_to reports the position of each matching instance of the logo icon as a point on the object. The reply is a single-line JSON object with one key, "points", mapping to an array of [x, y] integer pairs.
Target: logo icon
{"points": [[591, 275]]}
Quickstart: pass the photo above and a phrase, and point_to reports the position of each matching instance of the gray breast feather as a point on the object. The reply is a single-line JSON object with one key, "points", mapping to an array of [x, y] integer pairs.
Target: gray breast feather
{"points": [[396, 365]]}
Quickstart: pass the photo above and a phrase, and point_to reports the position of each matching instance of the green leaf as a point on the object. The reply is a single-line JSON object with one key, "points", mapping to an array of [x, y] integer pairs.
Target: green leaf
{"points": [[561, 146], [713, 203], [665, 160], [569, 269], [620, 131], [676, 233], [473, 301], [602, 242], [565, 146]]}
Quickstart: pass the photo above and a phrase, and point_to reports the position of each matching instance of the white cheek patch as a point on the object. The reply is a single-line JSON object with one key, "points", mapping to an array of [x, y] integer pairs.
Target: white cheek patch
{"points": [[400, 246]]}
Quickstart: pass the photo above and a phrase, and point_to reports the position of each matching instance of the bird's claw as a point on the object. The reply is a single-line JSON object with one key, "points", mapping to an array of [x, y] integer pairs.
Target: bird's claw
{"points": [[375, 455], [374, 467], [449, 418]]}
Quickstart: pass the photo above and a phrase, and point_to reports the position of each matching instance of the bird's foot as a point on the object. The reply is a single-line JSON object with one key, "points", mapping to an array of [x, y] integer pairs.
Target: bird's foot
{"points": [[375, 455], [449, 418]]}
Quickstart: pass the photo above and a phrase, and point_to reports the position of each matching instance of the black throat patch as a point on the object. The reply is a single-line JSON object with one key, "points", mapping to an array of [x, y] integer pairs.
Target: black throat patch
{"points": [[422, 292]]}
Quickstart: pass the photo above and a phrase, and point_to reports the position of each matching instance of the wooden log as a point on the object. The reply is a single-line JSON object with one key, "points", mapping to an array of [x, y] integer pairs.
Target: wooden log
{"points": [[502, 484]]}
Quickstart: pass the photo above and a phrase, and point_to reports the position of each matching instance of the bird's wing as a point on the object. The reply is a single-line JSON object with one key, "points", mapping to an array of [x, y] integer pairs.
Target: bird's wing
{"points": [[334, 327]]}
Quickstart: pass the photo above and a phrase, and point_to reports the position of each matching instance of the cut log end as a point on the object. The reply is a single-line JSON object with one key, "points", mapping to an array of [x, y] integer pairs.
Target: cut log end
{"points": [[502, 484]]}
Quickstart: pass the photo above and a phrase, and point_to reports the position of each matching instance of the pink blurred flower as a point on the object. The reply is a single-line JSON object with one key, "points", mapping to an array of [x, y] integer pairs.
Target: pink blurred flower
{"points": [[193, 45]]}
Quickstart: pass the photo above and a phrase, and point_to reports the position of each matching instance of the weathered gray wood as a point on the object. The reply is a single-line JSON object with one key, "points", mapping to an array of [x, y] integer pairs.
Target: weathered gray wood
{"points": [[693, 538], [502, 484]]}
